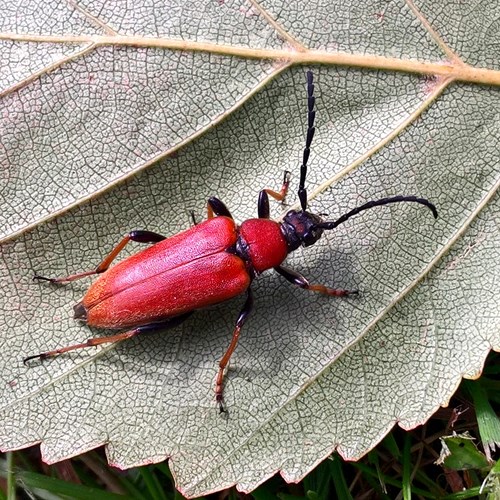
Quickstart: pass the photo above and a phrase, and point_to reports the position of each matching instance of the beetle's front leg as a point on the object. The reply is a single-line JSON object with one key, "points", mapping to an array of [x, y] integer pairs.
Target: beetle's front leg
{"points": [[297, 279], [150, 328], [263, 203], [219, 384], [281, 195], [139, 236]]}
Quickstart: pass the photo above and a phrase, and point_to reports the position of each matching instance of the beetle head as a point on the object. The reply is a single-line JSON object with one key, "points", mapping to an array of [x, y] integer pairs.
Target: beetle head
{"points": [[300, 228]]}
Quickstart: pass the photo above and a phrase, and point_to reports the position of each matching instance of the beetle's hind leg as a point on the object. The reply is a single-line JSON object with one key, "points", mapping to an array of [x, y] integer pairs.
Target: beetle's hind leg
{"points": [[219, 384], [297, 279], [150, 328], [139, 236]]}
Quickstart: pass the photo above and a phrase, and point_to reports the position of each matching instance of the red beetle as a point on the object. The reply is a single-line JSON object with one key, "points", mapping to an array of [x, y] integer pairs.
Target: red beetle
{"points": [[213, 261]]}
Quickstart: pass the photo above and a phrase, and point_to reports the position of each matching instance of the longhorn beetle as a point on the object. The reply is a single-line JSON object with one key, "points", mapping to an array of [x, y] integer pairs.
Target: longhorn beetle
{"points": [[160, 287]]}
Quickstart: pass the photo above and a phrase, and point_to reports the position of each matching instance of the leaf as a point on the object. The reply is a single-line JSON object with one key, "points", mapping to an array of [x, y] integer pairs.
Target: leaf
{"points": [[459, 452], [97, 103]]}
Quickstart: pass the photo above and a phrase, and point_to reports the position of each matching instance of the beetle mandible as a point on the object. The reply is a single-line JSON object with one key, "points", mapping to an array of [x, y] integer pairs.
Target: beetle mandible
{"points": [[160, 287]]}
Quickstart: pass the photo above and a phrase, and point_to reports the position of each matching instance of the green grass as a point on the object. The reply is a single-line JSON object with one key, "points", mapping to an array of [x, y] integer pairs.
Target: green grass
{"points": [[402, 466]]}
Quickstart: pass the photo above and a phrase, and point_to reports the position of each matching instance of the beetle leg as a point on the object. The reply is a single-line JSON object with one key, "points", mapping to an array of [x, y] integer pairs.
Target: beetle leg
{"points": [[193, 217], [152, 327], [219, 388], [280, 196], [263, 205], [215, 207], [138, 236], [297, 279]]}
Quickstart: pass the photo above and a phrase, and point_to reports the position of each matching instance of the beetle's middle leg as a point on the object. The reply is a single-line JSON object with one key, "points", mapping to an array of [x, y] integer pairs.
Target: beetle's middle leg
{"points": [[139, 236], [215, 207], [297, 279], [219, 384], [150, 328]]}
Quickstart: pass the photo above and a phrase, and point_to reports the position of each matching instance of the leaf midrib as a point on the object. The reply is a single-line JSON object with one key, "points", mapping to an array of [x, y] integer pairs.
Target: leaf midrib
{"points": [[457, 69]]}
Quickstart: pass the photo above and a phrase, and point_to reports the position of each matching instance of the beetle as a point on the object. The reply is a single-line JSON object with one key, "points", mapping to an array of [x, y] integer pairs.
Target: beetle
{"points": [[213, 261]]}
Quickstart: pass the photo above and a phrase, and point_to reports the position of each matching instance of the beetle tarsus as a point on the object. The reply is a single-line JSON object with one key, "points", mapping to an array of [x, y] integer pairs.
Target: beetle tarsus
{"points": [[193, 217], [263, 205], [220, 402], [43, 278], [41, 357]]}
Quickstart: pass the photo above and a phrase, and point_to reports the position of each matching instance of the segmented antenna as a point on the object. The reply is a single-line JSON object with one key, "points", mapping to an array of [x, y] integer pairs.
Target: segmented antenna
{"points": [[311, 114], [377, 203]]}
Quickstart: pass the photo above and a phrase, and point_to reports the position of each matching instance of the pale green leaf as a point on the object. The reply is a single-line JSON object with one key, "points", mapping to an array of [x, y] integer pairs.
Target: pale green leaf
{"points": [[459, 452], [88, 103]]}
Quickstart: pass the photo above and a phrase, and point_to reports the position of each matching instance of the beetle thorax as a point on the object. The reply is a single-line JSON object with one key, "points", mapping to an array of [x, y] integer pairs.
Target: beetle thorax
{"points": [[261, 244], [299, 228]]}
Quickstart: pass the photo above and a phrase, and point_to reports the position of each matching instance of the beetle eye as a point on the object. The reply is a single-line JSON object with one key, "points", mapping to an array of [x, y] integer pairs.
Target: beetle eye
{"points": [[310, 237]]}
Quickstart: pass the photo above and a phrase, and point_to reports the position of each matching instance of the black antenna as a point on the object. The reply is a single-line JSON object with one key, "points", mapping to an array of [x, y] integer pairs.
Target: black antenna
{"points": [[377, 203], [310, 134]]}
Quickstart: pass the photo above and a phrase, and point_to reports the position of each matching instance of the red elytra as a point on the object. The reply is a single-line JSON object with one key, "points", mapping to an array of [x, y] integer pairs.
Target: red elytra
{"points": [[213, 261], [157, 283]]}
